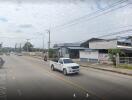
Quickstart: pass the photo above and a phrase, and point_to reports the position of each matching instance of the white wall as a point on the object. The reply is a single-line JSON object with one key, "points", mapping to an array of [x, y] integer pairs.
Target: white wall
{"points": [[89, 54], [103, 44], [103, 56]]}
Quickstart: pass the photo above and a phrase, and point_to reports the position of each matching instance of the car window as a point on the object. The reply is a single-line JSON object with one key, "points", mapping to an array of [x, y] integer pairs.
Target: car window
{"points": [[60, 61], [66, 61]]}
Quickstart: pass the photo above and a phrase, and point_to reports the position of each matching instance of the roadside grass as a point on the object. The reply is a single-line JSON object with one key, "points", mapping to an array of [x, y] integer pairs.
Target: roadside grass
{"points": [[125, 66]]}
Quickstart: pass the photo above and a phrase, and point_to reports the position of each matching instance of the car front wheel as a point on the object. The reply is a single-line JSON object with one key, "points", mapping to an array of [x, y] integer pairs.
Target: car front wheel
{"points": [[65, 72]]}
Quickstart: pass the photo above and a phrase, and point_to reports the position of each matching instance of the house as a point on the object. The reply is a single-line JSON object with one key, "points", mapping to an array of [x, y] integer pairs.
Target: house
{"points": [[89, 55], [69, 49], [123, 43], [86, 44], [102, 45]]}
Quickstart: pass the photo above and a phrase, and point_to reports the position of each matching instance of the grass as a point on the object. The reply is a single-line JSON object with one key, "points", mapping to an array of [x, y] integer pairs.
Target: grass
{"points": [[125, 66]]}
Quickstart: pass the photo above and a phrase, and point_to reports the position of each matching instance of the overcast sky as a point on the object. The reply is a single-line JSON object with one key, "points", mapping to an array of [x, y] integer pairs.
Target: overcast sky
{"points": [[68, 20]]}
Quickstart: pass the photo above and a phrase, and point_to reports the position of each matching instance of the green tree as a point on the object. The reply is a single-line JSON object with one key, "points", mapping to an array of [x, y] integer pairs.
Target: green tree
{"points": [[52, 53], [28, 47], [113, 54]]}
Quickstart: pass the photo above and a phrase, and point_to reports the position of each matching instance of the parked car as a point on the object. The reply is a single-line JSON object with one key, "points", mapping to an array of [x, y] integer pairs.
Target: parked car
{"points": [[66, 65], [1, 62]]}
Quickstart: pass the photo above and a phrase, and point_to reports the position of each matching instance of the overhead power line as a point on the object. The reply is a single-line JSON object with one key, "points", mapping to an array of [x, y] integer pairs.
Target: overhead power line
{"points": [[116, 33], [113, 33], [96, 14]]}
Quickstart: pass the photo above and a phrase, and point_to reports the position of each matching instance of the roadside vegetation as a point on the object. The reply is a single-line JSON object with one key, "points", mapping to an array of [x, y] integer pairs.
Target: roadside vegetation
{"points": [[114, 53], [52, 53], [125, 66]]}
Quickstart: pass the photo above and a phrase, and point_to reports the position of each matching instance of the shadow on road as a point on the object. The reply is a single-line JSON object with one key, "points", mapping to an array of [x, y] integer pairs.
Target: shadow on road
{"points": [[69, 75], [75, 75]]}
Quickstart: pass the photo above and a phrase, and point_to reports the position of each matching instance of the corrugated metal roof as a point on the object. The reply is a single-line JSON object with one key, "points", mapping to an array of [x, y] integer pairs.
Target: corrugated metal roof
{"points": [[67, 45], [80, 48]]}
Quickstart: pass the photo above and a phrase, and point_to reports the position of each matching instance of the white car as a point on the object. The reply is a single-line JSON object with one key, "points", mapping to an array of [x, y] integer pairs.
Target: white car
{"points": [[66, 65]]}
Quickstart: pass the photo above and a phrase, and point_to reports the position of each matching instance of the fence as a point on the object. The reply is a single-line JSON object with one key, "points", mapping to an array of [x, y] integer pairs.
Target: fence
{"points": [[125, 60]]}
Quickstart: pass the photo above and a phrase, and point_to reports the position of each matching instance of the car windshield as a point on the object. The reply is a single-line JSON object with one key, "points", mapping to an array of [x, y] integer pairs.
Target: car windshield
{"points": [[66, 61]]}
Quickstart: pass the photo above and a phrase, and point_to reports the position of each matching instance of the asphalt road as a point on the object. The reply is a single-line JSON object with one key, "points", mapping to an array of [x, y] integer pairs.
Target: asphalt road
{"points": [[27, 78]]}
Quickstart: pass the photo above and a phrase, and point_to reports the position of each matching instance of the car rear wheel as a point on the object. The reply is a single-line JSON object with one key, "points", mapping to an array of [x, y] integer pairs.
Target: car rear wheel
{"points": [[65, 72]]}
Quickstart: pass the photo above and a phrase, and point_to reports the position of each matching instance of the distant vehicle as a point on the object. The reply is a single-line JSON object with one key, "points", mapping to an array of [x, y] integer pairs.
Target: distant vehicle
{"points": [[1, 62], [66, 65], [8, 54], [19, 54], [45, 56]]}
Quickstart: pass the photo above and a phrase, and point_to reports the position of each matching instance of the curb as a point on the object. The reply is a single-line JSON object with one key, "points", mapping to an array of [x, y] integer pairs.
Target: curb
{"points": [[108, 70]]}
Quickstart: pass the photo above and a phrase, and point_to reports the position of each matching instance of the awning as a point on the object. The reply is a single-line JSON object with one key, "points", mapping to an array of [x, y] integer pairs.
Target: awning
{"points": [[82, 49], [78, 48]]}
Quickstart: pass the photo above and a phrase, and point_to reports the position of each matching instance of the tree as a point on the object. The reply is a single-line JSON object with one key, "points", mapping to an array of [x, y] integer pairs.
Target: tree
{"points": [[113, 53], [28, 47], [52, 53]]}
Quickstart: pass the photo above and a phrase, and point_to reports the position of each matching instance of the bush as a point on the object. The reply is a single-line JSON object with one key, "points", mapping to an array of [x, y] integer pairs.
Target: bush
{"points": [[113, 54], [52, 53]]}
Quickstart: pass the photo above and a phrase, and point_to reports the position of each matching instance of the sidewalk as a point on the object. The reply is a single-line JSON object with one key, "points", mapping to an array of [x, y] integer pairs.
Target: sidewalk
{"points": [[105, 67]]}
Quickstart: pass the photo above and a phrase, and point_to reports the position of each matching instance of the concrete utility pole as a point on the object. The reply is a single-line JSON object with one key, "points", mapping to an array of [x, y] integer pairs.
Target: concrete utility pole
{"points": [[16, 47], [43, 41], [20, 48], [49, 39], [27, 45], [117, 59]]}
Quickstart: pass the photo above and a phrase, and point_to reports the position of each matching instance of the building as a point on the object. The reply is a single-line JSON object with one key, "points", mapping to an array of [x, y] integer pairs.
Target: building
{"points": [[123, 43], [89, 55], [86, 44], [70, 50], [101, 46]]}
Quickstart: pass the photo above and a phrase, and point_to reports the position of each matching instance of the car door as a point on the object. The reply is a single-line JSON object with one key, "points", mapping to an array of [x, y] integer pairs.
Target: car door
{"points": [[60, 64]]}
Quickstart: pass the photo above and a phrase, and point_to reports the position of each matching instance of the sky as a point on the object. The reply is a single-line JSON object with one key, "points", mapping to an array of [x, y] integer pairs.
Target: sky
{"points": [[68, 20]]}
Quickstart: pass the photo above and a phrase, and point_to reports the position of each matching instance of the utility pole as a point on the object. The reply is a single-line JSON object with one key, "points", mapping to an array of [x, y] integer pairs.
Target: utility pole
{"points": [[49, 39], [16, 47], [43, 42], [20, 48], [27, 45]]}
